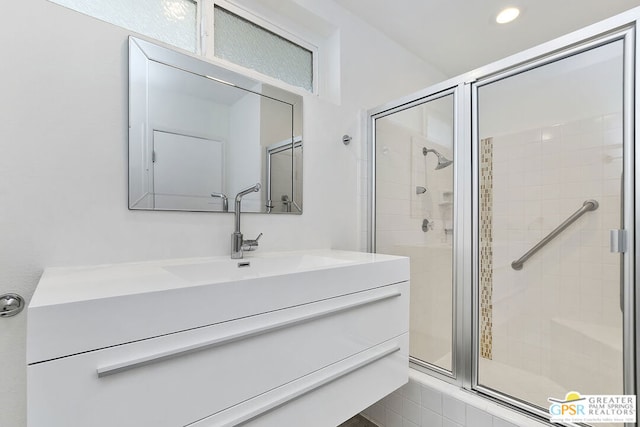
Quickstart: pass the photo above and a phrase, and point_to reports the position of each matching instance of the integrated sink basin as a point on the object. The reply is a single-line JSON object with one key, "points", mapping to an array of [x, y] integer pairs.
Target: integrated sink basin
{"points": [[221, 270], [132, 301], [259, 341]]}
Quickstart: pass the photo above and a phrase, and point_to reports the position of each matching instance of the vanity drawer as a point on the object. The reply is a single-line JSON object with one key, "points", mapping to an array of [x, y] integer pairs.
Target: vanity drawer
{"points": [[181, 378], [326, 397]]}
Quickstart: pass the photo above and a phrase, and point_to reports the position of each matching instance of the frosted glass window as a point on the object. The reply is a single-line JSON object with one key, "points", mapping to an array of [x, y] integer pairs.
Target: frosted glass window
{"points": [[171, 21], [245, 43]]}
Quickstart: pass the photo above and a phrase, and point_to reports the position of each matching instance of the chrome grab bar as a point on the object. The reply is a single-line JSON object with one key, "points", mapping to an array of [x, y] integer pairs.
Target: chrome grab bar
{"points": [[588, 205]]}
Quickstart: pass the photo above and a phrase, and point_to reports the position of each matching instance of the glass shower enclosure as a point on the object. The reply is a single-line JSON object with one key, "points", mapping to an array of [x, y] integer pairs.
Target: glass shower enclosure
{"points": [[512, 190], [414, 205]]}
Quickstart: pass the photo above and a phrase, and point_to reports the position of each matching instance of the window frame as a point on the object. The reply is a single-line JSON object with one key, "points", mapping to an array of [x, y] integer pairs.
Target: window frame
{"points": [[288, 26], [207, 43]]}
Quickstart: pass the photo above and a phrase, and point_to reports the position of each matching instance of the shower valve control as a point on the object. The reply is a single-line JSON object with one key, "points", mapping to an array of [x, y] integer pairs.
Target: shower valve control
{"points": [[427, 225]]}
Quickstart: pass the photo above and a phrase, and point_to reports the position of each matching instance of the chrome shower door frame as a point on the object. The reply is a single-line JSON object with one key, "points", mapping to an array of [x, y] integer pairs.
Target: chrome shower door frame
{"points": [[621, 27], [422, 97], [466, 218]]}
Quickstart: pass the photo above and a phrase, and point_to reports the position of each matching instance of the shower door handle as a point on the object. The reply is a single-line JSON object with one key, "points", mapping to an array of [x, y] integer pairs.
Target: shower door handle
{"points": [[618, 244], [618, 241]]}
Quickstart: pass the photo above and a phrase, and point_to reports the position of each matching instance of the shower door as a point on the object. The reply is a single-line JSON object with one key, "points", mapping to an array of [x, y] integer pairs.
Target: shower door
{"points": [[414, 205], [550, 187]]}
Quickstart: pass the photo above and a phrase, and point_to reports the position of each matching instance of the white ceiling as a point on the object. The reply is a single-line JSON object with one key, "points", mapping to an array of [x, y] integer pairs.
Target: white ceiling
{"points": [[460, 35]]}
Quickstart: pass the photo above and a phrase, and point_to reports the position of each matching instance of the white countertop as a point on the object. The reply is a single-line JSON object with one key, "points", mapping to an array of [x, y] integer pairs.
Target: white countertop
{"points": [[86, 308], [62, 285]]}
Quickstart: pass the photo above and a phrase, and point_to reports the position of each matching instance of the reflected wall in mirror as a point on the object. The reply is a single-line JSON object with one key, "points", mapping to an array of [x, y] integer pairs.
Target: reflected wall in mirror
{"points": [[199, 133]]}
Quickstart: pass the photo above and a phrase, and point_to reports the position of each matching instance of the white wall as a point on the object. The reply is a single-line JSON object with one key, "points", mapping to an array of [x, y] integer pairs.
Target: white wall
{"points": [[63, 167]]}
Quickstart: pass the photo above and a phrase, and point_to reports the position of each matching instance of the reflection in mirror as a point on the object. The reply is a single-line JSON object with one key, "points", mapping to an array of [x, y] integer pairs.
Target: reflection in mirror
{"points": [[284, 161], [199, 133]]}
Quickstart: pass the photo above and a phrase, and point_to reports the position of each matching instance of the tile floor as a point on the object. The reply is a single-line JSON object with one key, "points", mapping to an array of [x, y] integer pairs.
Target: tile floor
{"points": [[358, 421]]}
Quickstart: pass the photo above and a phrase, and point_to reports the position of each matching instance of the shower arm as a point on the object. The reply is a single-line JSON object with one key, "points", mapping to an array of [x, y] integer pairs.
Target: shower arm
{"points": [[588, 205], [443, 162]]}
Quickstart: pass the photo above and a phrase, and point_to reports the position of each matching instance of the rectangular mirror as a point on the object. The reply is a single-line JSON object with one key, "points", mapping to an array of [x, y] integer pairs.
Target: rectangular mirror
{"points": [[199, 134]]}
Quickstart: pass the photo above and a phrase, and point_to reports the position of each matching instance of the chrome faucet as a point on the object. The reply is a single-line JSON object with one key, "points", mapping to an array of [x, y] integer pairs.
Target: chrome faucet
{"points": [[225, 201], [238, 244]]}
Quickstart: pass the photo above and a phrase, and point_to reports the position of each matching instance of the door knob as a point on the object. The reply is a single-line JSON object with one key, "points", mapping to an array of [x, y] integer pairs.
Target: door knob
{"points": [[10, 305]]}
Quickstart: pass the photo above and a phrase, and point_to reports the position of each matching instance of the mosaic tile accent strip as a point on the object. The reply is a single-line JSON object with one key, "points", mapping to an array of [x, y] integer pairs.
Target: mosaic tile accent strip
{"points": [[486, 248]]}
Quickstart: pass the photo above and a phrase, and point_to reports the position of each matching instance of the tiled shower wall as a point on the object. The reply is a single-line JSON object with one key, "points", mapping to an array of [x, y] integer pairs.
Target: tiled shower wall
{"points": [[401, 167], [558, 317]]}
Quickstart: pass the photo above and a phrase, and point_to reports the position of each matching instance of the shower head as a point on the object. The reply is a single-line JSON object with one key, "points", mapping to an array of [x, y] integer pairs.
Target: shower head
{"points": [[443, 162]]}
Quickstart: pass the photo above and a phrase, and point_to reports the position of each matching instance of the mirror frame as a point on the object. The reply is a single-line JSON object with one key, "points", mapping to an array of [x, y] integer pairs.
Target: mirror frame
{"points": [[141, 52]]}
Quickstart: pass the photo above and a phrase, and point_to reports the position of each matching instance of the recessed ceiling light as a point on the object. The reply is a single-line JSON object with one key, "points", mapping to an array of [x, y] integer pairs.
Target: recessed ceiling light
{"points": [[507, 15]]}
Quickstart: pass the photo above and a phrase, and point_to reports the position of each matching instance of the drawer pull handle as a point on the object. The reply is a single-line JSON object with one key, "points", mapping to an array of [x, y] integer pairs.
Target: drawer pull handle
{"points": [[303, 389], [216, 342]]}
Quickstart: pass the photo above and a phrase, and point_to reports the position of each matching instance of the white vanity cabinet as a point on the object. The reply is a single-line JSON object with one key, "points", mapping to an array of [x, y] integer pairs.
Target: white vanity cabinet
{"points": [[292, 339]]}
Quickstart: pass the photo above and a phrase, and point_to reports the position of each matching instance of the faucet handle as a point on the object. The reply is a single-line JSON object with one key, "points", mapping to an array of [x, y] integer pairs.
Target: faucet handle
{"points": [[251, 245]]}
